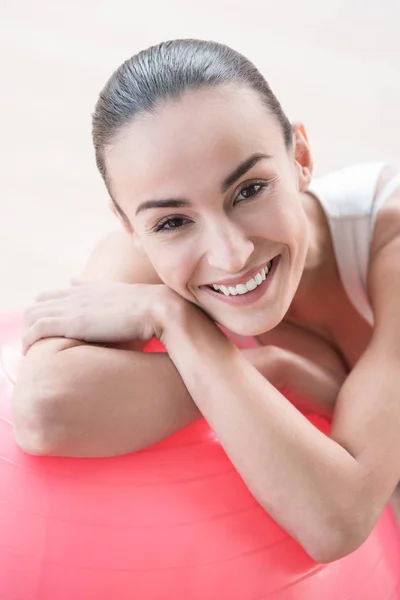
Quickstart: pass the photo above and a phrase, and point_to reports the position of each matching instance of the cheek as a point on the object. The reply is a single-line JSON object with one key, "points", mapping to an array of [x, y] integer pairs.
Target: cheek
{"points": [[287, 226], [173, 266], [283, 221], [297, 235]]}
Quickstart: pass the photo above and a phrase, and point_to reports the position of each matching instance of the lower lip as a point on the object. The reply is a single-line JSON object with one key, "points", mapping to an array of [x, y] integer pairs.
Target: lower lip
{"points": [[249, 297]]}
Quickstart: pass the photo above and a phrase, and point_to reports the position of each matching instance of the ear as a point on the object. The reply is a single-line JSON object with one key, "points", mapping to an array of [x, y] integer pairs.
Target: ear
{"points": [[302, 156], [122, 218]]}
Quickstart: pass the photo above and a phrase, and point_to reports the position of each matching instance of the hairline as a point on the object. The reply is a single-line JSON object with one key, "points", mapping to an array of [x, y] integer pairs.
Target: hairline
{"points": [[107, 147]]}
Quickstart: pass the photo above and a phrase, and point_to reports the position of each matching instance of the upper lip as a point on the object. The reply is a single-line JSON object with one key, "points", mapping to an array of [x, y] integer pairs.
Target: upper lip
{"points": [[242, 278]]}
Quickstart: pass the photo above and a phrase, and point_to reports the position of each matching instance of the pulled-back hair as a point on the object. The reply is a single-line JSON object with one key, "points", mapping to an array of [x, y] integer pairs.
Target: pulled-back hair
{"points": [[165, 72]]}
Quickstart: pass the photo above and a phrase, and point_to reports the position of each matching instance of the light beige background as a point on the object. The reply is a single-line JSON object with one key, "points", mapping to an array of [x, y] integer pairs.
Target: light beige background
{"points": [[335, 65]]}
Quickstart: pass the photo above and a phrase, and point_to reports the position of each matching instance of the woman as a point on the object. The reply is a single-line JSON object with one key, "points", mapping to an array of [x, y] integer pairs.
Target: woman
{"points": [[221, 224]]}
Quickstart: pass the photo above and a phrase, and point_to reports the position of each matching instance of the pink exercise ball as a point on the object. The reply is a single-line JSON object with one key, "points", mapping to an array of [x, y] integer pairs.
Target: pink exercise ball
{"points": [[173, 522]]}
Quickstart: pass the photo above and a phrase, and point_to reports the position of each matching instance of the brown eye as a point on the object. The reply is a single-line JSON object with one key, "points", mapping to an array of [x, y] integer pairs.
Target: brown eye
{"points": [[250, 191], [171, 223]]}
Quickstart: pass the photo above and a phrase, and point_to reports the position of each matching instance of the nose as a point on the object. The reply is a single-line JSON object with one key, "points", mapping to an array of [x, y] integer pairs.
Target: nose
{"points": [[229, 248]]}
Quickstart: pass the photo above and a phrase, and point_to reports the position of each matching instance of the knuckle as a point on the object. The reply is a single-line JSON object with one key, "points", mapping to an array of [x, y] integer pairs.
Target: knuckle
{"points": [[43, 326], [38, 327]]}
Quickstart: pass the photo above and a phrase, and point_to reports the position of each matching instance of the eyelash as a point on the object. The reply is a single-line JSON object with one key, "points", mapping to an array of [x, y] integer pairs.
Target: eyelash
{"points": [[161, 225]]}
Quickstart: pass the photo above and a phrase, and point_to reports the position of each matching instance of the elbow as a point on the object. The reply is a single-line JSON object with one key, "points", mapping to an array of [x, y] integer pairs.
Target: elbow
{"points": [[32, 441], [329, 551], [340, 539], [33, 425]]}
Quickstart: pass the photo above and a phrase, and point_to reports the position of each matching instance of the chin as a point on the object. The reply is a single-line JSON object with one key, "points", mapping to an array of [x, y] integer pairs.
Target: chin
{"points": [[251, 329], [261, 321]]}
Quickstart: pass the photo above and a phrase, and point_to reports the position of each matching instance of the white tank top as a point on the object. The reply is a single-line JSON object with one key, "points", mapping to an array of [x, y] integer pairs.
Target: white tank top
{"points": [[348, 199]]}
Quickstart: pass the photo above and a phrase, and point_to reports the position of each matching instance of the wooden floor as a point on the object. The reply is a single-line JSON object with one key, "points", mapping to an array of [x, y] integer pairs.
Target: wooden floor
{"points": [[335, 65]]}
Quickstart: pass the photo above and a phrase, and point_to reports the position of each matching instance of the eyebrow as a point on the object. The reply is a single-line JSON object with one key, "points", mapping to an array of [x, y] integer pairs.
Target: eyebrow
{"points": [[242, 169], [238, 172], [167, 203]]}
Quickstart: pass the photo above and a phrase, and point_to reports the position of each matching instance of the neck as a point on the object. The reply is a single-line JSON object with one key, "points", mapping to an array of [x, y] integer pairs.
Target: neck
{"points": [[320, 262]]}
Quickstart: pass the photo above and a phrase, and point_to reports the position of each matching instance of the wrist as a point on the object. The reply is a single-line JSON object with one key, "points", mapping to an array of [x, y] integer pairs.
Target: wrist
{"points": [[179, 322], [168, 310]]}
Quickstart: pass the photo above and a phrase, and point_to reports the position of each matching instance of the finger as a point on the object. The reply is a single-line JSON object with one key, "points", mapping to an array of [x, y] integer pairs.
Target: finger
{"points": [[38, 312], [52, 295], [46, 308], [43, 328], [76, 281]]}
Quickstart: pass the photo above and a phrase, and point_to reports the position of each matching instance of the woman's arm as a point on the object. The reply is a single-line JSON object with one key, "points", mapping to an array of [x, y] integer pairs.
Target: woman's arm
{"points": [[328, 492], [300, 476], [78, 399], [92, 401]]}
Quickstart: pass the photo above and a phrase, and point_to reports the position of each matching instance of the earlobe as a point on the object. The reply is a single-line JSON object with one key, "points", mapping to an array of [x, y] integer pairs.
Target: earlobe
{"points": [[304, 177], [302, 156]]}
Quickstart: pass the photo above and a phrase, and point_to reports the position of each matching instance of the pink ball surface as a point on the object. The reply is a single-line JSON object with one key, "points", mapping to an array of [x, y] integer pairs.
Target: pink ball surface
{"points": [[172, 522]]}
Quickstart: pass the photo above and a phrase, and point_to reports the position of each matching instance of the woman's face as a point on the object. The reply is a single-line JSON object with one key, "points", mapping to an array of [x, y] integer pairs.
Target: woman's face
{"points": [[212, 197]]}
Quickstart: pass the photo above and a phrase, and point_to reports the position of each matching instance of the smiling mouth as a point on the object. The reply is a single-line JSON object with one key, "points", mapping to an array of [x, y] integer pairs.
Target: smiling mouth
{"points": [[244, 288]]}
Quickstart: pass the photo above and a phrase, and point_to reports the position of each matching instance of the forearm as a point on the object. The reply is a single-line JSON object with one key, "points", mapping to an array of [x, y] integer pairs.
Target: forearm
{"points": [[76, 399], [95, 401], [296, 473]]}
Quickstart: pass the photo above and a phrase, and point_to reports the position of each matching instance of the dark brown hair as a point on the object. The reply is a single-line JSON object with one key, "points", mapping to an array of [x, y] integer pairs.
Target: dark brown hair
{"points": [[165, 72]]}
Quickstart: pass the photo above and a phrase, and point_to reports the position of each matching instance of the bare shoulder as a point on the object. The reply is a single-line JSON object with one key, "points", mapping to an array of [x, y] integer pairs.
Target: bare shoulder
{"points": [[387, 226], [117, 258]]}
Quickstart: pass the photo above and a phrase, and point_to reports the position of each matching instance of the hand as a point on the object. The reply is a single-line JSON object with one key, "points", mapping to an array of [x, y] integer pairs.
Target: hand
{"points": [[101, 312]]}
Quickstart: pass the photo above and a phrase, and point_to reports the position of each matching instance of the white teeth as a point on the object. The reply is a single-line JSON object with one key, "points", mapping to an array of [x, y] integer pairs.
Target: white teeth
{"points": [[251, 284], [243, 288]]}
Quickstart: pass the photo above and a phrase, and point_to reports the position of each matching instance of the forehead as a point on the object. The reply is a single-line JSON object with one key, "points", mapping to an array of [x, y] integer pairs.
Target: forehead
{"points": [[204, 133]]}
